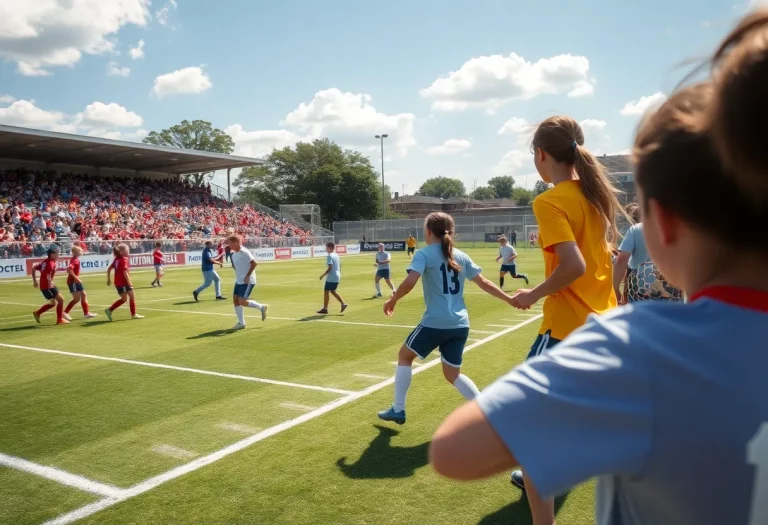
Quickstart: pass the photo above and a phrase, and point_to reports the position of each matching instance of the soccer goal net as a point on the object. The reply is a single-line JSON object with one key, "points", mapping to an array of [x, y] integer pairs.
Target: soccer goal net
{"points": [[305, 215], [531, 236]]}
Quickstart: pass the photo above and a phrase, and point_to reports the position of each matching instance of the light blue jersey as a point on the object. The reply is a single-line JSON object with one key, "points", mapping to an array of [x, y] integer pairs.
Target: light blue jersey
{"points": [[443, 287], [383, 256], [334, 276], [634, 244], [665, 403], [506, 253]]}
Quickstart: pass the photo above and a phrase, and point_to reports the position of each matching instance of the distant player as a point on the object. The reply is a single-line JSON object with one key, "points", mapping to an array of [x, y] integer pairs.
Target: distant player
{"points": [[532, 239], [47, 269], [76, 287], [209, 274], [157, 262], [445, 324], [411, 244], [508, 254], [382, 264], [245, 279], [123, 283], [333, 273]]}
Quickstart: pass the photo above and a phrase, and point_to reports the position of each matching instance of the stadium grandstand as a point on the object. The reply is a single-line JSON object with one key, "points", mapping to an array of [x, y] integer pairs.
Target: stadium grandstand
{"points": [[61, 188]]}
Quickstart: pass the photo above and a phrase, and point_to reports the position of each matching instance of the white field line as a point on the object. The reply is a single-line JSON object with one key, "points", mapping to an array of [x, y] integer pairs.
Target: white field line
{"points": [[14, 317], [296, 406], [13, 322], [180, 369], [370, 376], [60, 476], [239, 428], [201, 462], [173, 452]]}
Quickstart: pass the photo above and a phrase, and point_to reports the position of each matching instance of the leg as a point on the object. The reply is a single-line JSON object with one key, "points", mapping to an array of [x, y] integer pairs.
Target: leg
{"points": [[76, 298], [217, 283], [84, 302], [326, 299], [59, 308], [239, 302], [403, 376], [132, 303], [452, 352], [338, 297], [378, 286], [207, 280], [391, 286], [40, 311], [501, 279], [542, 510]]}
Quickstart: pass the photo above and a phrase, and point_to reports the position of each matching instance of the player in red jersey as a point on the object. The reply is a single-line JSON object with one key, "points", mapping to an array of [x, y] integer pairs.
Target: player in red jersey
{"points": [[47, 269], [76, 287], [157, 261], [122, 283]]}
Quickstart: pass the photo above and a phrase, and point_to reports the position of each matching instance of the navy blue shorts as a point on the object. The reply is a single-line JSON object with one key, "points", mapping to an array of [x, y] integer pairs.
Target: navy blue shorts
{"points": [[243, 290], [331, 287], [450, 341], [50, 293], [543, 342], [76, 287], [123, 289], [384, 274], [511, 268], [411, 250]]}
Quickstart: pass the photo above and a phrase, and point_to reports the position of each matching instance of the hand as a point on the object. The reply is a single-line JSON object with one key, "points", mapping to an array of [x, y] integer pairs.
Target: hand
{"points": [[389, 307], [524, 299], [35, 284], [109, 282], [622, 299]]}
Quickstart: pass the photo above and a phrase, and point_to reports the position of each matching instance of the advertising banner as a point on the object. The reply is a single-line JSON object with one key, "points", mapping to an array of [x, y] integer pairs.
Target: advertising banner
{"points": [[353, 249], [12, 268], [390, 246], [303, 252], [318, 251], [282, 253], [341, 249], [493, 237], [264, 254]]}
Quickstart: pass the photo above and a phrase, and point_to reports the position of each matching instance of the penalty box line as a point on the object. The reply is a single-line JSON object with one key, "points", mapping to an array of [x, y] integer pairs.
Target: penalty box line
{"points": [[201, 462], [180, 369]]}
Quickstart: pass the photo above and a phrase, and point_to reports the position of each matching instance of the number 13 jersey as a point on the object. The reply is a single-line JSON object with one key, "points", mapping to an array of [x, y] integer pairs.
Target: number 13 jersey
{"points": [[443, 286]]}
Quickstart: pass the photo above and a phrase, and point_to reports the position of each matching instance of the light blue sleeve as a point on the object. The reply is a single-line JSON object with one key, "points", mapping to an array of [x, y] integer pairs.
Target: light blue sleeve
{"points": [[329, 259], [419, 262], [628, 243], [471, 270], [581, 409]]}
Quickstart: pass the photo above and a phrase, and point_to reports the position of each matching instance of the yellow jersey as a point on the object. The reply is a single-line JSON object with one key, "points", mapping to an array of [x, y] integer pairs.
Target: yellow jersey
{"points": [[411, 242], [565, 215]]}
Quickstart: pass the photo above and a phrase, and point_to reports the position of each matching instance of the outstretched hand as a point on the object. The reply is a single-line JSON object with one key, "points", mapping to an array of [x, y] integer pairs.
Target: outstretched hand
{"points": [[389, 307], [524, 299]]}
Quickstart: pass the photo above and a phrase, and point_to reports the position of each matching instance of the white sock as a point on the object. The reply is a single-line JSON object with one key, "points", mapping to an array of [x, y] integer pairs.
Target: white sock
{"points": [[254, 304], [466, 387], [403, 375], [378, 288], [240, 314]]}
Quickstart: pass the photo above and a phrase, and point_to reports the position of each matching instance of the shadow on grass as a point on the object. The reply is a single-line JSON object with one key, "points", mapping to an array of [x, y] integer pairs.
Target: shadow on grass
{"points": [[314, 317], [22, 328], [213, 333], [383, 461], [517, 511], [185, 302], [100, 322]]}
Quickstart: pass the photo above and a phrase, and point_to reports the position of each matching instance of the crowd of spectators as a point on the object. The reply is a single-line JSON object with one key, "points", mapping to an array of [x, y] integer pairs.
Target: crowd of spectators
{"points": [[38, 208]]}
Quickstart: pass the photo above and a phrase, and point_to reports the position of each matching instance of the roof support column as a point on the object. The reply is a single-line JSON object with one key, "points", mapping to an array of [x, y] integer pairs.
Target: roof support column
{"points": [[229, 192]]}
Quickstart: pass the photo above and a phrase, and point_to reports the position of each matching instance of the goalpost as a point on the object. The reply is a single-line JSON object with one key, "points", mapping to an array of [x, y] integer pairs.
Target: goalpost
{"points": [[305, 215], [531, 230]]}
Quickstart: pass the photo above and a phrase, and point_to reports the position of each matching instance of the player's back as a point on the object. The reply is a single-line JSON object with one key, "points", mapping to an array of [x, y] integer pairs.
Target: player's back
{"points": [[506, 252], [703, 368], [443, 286]]}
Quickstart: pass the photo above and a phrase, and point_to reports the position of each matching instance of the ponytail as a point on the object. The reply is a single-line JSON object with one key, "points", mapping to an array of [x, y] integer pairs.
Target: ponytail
{"points": [[598, 190], [442, 225], [446, 243]]}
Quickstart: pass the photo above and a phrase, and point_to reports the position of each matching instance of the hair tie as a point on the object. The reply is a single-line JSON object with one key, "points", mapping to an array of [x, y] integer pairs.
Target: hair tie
{"points": [[574, 144]]}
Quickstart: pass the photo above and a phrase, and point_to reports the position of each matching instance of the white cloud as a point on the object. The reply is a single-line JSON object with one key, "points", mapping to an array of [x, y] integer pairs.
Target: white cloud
{"points": [[189, 80], [26, 114], [6, 99], [105, 116], [351, 119], [515, 126], [162, 15], [450, 147], [490, 82], [116, 70], [512, 161], [641, 105], [137, 52], [41, 34], [261, 143], [133, 136], [592, 124]]}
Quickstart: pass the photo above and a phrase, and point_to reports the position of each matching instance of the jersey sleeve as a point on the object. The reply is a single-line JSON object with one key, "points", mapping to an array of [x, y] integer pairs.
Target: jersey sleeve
{"points": [[581, 409], [471, 270], [39, 266], [554, 227], [419, 263], [628, 242]]}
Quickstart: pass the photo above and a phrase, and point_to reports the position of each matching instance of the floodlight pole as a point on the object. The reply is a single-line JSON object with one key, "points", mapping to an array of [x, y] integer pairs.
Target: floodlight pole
{"points": [[383, 191]]}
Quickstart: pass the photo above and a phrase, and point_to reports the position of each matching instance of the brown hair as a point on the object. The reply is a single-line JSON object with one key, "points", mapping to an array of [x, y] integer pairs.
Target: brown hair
{"points": [[563, 139], [234, 238], [633, 212], [441, 225], [738, 115], [502, 238], [158, 244], [676, 158], [330, 245]]}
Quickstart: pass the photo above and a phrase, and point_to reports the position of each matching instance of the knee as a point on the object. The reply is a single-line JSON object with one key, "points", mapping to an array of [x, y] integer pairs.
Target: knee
{"points": [[450, 373], [405, 357]]}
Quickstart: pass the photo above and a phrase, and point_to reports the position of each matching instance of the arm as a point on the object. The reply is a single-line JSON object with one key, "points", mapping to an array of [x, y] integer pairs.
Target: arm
{"points": [[491, 289], [34, 276], [327, 271], [109, 273], [514, 256], [251, 268], [571, 266], [71, 274], [127, 277], [389, 260], [619, 271], [404, 289]]}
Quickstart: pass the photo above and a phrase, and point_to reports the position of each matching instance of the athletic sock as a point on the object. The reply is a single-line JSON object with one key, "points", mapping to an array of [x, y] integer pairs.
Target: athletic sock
{"points": [[59, 310], [501, 282], [378, 288], [132, 305], [254, 304], [117, 304], [44, 309], [403, 375], [85, 306], [466, 387], [70, 305], [240, 314]]}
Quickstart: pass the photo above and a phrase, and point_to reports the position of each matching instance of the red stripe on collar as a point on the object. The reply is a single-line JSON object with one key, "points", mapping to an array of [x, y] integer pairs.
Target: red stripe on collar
{"points": [[737, 296]]}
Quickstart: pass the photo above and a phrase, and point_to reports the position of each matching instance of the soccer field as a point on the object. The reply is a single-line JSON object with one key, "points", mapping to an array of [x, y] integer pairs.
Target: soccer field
{"points": [[175, 419]]}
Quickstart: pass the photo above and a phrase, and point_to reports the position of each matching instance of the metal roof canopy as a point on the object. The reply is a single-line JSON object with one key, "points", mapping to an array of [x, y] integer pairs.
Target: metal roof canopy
{"points": [[78, 150]]}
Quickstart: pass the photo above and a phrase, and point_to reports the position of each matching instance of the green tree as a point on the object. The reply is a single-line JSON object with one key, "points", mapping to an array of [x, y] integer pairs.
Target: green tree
{"points": [[540, 188], [442, 187], [502, 186], [522, 196], [198, 135], [342, 182], [482, 193]]}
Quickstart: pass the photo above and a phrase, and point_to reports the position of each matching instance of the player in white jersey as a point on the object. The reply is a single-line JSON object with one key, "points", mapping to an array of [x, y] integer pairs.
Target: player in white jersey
{"points": [[508, 256], [245, 279], [383, 260], [445, 323]]}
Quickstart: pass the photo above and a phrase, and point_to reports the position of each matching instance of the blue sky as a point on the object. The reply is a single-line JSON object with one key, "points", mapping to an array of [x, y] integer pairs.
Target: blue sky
{"points": [[456, 84]]}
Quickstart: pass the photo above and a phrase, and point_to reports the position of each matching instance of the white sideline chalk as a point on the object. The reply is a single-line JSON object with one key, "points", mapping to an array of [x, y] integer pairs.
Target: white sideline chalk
{"points": [[370, 376], [296, 406], [237, 427]]}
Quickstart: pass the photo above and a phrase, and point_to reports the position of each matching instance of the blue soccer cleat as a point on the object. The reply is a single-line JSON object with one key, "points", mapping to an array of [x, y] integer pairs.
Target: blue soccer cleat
{"points": [[391, 415]]}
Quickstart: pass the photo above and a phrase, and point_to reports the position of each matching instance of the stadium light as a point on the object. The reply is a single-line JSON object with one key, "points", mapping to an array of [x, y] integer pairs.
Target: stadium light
{"points": [[383, 194]]}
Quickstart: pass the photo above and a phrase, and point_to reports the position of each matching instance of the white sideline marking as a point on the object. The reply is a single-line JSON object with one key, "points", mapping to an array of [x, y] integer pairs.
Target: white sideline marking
{"points": [[237, 427], [174, 452], [13, 317], [483, 331], [201, 462], [167, 299], [180, 369], [60, 476], [370, 376], [12, 322], [296, 406]]}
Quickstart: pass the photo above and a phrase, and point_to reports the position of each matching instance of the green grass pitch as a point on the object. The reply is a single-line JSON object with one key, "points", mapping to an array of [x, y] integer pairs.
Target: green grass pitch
{"points": [[273, 424]]}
